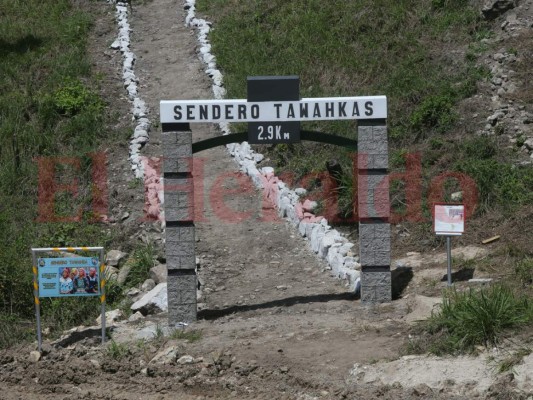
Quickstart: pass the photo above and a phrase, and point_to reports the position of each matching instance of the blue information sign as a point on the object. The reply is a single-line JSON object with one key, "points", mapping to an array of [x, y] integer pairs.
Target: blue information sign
{"points": [[66, 277]]}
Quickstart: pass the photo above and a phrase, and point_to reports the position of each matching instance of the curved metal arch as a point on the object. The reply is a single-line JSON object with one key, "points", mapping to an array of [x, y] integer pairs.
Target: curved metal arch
{"points": [[304, 135]]}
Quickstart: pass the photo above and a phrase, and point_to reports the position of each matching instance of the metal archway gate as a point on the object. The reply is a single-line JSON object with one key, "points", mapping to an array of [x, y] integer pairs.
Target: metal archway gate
{"points": [[273, 111]]}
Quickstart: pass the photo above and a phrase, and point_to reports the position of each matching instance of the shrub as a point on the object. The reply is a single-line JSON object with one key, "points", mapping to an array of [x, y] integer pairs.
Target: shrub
{"points": [[473, 318], [434, 112], [481, 148], [117, 351], [73, 97], [141, 261]]}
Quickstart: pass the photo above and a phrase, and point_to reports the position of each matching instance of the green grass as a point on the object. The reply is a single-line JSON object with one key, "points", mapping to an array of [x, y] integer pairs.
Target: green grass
{"points": [[350, 48], [191, 336], [477, 318], [514, 359], [50, 108], [14, 329], [117, 351], [403, 49], [500, 184], [141, 261], [524, 271]]}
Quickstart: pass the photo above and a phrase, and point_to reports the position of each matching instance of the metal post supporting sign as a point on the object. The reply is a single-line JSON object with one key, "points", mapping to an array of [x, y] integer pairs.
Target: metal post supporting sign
{"points": [[449, 257], [68, 277], [449, 220]]}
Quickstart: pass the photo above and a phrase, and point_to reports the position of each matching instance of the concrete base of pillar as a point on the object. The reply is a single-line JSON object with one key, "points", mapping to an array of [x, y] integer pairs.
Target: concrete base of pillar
{"points": [[375, 286], [181, 287]]}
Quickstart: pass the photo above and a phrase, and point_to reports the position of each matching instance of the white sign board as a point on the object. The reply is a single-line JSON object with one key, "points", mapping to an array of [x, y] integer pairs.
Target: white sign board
{"points": [[449, 219], [312, 109]]}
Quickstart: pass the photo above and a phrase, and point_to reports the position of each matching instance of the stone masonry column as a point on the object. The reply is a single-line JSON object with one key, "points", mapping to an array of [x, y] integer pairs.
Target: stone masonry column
{"points": [[374, 211], [179, 216]]}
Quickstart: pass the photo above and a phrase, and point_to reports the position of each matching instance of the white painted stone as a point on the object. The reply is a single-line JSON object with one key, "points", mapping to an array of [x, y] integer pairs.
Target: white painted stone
{"points": [[316, 237], [309, 229], [166, 356], [115, 257], [357, 286], [302, 227], [345, 248], [218, 92], [224, 127], [152, 302], [294, 218], [110, 317], [159, 273], [140, 140], [148, 285], [335, 259], [283, 204], [309, 205]]}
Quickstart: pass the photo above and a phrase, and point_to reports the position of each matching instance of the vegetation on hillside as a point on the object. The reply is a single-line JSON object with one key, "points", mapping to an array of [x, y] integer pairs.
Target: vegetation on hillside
{"points": [[423, 55], [50, 108], [467, 320]]}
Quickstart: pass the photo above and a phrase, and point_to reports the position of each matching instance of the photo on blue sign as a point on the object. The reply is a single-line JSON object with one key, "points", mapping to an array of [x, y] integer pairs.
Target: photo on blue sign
{"points": [[61, 277], [78, 280]]}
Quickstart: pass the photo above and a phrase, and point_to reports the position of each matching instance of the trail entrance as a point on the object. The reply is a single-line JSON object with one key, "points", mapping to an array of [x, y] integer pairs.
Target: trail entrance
{"points": [[273, 112]]}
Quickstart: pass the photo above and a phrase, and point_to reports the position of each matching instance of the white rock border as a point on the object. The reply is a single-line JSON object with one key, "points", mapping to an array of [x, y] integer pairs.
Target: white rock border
{"points": [[327, 242], [139, 109]]}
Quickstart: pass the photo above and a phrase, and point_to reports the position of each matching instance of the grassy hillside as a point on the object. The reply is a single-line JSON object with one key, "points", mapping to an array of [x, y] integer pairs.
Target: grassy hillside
{"points": [[422, 54], [50, 107], [397, 48]]}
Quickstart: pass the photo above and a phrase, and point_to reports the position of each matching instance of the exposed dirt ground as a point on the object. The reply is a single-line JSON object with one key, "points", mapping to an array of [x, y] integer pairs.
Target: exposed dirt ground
{"points": [[274, 324]]}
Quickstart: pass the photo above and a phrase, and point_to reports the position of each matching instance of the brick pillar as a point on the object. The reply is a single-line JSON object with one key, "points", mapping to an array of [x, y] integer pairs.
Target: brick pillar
{"points": [[179, 216], [374, 211]]}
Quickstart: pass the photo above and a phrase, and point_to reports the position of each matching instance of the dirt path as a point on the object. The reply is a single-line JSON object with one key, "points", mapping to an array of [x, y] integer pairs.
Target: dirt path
{"points": [[264, 290]]}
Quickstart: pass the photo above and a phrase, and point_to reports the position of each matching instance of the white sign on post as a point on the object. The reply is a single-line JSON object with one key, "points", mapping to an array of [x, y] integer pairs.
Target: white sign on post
{"points": [[449, 219], [311, 109]]}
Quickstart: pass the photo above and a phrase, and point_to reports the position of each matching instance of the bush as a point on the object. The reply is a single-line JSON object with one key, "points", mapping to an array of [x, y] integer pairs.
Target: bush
{"points": [[141, 261], [469, 319], [117, 351], [480, 148], [50, 108], [73, 97], [434, 112]]}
